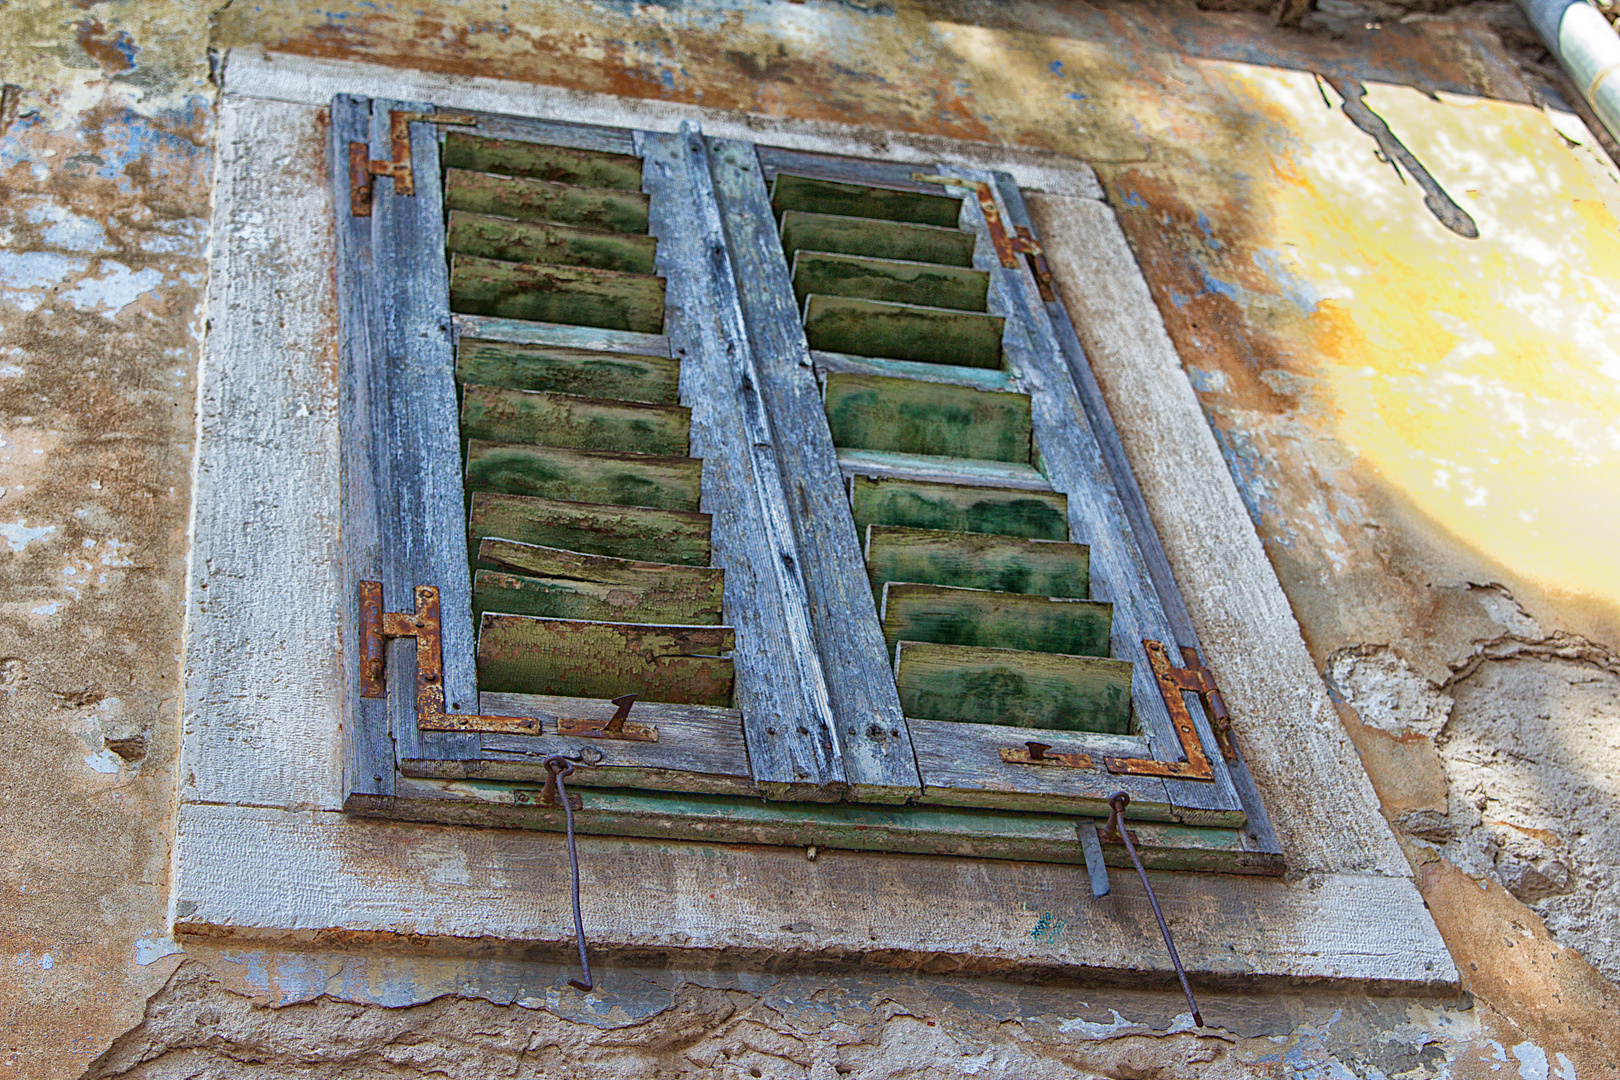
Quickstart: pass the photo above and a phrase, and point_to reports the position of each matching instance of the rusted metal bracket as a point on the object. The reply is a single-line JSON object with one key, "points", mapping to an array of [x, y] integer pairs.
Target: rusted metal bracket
{"points": [[1115, 832], [1172, 683], [1008, 248], [1039, 753], [616, 727], [10, 96], [363, 169], [377, 627]]}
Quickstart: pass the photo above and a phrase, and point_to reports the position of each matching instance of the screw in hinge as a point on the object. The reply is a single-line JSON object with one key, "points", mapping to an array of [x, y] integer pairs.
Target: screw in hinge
{"points": [[1115, 830]]}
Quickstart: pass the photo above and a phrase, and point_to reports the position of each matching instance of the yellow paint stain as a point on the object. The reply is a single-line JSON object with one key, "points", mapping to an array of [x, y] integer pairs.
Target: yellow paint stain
{"points": [[1479, 378]]}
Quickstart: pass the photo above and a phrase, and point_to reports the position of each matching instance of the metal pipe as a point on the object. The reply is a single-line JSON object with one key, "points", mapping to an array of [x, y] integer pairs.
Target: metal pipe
{"points": [[1586, 45]]}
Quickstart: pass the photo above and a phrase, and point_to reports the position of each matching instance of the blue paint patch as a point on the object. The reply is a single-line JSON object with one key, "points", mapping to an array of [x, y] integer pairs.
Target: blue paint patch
{"points": [[1057, 67], [1075, 95], [1135, 201], [1221, 288], [1179, 298], [1204, 382], [1248, 468], [128, 138], [1299, 290]]}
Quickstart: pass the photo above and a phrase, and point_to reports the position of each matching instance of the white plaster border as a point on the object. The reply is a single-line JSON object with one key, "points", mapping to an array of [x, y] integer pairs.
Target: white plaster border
{"points": [[262, 853]]}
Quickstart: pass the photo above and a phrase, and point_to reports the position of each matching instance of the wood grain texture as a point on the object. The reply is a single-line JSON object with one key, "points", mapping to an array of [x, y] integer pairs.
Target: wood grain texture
{"points": [[545, 242], [565, 598], [782, 689], [918, 830], [539, 200], [597, 476], [395, 879], [591, 338], [1013, 688], [700, 748], [641, 591], [927, 284], [877, 755], [623, 532], [935, 469], [879, 239], [562, 294], [982, 378], [950, 615], [975, 561], [578, 658], [561, 164], [928, 335], [413, 419], [545, 418], [818, 196], [871, 412], [565, 370], [1036, 515]]}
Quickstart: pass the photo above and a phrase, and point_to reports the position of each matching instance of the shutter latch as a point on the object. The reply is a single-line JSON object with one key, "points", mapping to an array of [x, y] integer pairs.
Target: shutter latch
{"points": [[376, 628], [615, 727], [362, 168], [1039, 753]]}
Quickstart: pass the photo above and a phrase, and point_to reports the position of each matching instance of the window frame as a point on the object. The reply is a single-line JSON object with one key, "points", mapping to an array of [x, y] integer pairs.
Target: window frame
{"points": [[450, 776]]}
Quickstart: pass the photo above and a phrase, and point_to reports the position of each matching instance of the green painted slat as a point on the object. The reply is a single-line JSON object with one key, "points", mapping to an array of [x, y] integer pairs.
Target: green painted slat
{"points": [[1008, 687], [576, 658], [950, 615], [685, 594], [597, 476], [844, 826], [983, 378], [660, 597], [560, 369], [542, 161], [927, 284], [976, 561], [879, 239], [541, 200], [790, 192], [1038, 515], [623, 532], [492, 237], [559, 294], [498, 414], [930, 335], [871, 412]]}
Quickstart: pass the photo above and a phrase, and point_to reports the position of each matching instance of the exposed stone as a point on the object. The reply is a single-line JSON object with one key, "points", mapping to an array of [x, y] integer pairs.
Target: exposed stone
{"points": [[1386, 692]]}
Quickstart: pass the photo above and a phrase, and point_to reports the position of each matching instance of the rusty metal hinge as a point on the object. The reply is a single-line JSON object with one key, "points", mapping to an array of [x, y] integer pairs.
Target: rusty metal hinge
{"points": [[363, 169], [376, 628], [1008, 248], [1173, 682]]}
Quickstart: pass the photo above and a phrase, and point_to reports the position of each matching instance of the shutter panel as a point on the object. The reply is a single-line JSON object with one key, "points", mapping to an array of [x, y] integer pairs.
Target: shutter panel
{"points": [[957, 416]]}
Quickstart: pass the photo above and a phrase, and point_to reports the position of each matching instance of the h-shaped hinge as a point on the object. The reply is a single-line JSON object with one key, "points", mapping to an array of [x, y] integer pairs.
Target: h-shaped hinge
{"points": [[363, 169], [1008, 248], [1173, 682]]}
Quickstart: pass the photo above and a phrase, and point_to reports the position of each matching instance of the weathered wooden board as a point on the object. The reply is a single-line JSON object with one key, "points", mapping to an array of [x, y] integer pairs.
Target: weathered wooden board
{"points": [[652, 591], [561, 294], [879, 239], [983, 378], [492, 237], [790, 192], [976, 561], [911, 830], [618, 376], [950, 615], [542, 161], [1014, 688], [623, 532], [928, 284], [596, 476], [861, 732], [499, 414], [700, 748], [1038, 515], [858, 327], [576, 658], [933, 469], [873, 412], [684, 602], [540, 200]]}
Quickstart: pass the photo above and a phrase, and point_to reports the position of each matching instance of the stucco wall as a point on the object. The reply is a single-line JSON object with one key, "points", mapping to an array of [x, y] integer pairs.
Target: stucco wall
{"points": [[1422, 425]]}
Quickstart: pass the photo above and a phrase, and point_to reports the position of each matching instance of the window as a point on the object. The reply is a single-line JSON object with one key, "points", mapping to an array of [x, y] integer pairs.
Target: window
{"points": [[800, 450]]}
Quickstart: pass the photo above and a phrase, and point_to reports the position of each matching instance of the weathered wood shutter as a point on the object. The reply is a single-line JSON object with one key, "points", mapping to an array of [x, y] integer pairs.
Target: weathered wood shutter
{"points": [[647, 432]]}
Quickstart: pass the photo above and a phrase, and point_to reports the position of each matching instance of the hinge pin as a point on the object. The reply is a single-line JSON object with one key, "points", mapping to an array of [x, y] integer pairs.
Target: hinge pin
{"points": [[1115, 830], [558, 767]]}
